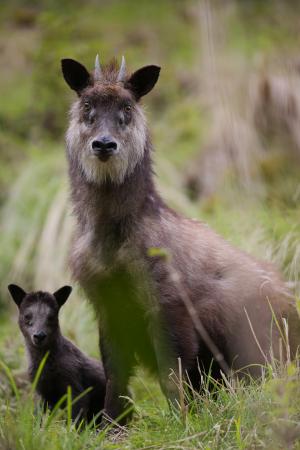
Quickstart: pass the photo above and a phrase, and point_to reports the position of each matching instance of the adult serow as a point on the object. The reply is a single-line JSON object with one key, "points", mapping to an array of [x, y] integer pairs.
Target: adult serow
{"points": [[200, 299], [65, 364]]}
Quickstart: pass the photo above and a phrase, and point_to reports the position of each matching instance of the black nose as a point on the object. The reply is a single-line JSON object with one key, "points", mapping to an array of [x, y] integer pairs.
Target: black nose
{"points": [[104, 147], [39, 337]]}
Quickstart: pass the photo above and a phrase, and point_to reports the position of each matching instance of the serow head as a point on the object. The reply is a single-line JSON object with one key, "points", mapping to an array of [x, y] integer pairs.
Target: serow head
{"points": [[107, 132], [38, 314]]}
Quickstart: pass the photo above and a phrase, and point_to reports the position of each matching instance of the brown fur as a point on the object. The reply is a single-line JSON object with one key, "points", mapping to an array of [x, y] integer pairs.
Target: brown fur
{"points": [[144, 302]]}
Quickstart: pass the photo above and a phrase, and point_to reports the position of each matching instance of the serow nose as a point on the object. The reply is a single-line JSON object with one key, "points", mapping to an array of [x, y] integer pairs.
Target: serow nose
{"points": [[39, 337], [104, 148]]}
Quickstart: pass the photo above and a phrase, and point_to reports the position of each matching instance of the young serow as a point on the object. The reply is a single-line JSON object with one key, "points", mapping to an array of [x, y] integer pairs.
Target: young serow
{"points": [[65, 365], [198, 298]]}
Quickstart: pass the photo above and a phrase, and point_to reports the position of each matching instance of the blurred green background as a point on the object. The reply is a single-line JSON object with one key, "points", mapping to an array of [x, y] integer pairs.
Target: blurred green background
{"points": [[224, 118]]}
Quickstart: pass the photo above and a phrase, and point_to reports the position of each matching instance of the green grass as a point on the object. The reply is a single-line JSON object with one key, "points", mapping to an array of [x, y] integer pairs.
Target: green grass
{"points": [[234, 416]]}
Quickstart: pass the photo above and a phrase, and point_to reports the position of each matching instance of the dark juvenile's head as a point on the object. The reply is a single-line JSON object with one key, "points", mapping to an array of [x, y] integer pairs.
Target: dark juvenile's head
{"points": [[107, 131], [38, 314]]}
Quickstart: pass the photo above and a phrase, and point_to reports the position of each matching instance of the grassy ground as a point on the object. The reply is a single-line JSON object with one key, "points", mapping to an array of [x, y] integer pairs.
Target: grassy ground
{"points": [[207, 55]]}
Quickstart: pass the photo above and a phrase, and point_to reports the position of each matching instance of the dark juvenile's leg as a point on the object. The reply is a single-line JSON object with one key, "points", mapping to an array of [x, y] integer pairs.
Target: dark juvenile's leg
{"points": [[79, 409]]}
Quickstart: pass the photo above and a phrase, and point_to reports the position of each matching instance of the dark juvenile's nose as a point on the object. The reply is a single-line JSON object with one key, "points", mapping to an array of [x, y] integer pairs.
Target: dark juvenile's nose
{"points": [[39, 337], [104, 147]]}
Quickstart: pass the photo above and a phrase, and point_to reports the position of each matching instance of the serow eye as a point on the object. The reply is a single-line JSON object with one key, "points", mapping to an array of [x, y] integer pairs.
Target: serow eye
{"points": [[87, 106], [127, 108]]}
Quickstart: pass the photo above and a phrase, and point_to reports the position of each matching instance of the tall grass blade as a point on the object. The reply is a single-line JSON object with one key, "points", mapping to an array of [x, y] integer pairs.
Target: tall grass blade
{"points": [[39, 372], [54, 411], [11, 379], [69, 408]]}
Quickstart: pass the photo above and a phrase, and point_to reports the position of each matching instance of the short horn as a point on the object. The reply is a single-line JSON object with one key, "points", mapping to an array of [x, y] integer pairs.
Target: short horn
{"points": [[98, 72], [122, 71]]}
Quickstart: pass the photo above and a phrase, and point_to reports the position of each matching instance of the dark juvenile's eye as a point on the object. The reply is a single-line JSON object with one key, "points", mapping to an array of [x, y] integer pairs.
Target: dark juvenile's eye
{"points": [[127, 108], [28, 319]]}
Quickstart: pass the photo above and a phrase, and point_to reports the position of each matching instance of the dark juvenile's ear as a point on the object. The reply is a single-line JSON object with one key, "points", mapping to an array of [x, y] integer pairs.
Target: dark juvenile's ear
{"points": [[17, 293], [75, 74], [143, 80], [62, 295]]}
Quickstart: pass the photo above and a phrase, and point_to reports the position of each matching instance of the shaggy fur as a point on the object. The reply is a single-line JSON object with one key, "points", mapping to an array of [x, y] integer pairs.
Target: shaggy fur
{"points": [[66, 365], [194, 300]]}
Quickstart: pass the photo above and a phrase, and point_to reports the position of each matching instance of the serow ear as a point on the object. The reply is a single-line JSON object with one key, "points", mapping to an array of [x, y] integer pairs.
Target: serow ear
{"points": [[17, 293], [143, 80], [75, 74], [62, 295]]}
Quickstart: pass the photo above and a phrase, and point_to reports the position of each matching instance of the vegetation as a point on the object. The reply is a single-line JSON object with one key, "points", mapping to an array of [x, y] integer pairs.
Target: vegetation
{"points": [[212, 54]]}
